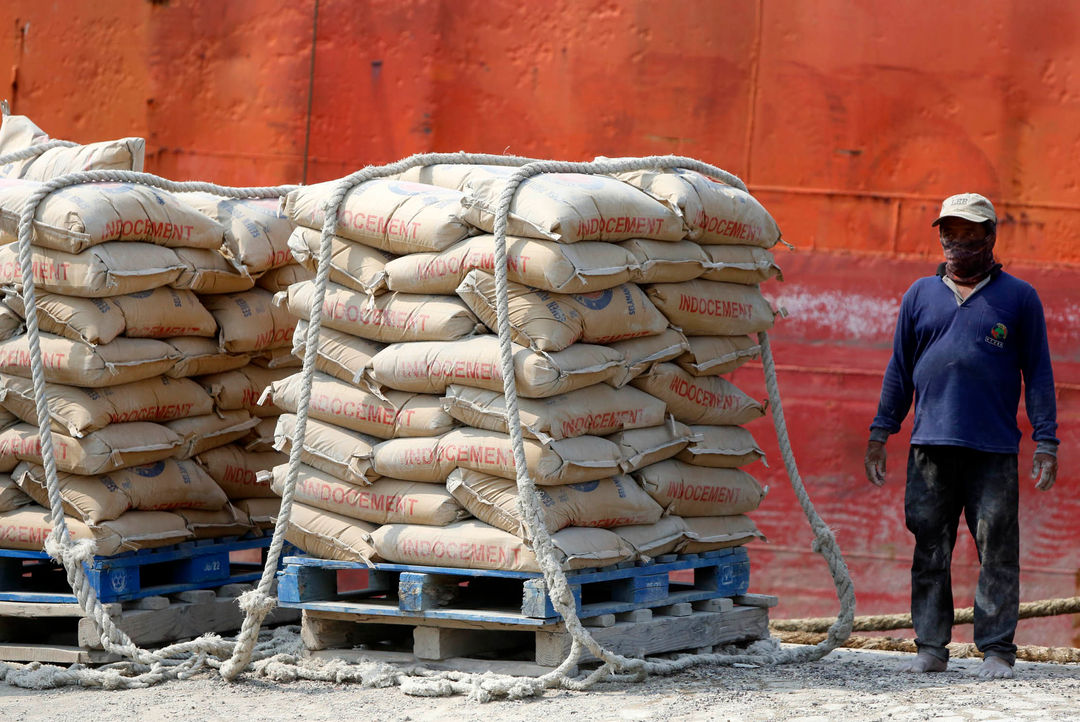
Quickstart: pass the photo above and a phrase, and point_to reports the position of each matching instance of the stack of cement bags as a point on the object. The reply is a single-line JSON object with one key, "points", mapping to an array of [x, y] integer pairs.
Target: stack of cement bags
{"points": [[629, 297]]}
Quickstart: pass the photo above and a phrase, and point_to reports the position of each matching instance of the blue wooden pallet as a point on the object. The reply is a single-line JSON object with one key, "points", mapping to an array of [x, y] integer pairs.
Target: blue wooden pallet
{"points": [[27, 576], [399, 590]]}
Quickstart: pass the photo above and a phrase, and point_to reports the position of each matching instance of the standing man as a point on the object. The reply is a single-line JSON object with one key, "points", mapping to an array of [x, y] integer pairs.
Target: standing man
{"points": [[964, 340]]}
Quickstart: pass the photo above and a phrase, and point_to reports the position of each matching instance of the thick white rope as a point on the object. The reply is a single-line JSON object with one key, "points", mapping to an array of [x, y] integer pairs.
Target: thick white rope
{"points": [[34, 150]]}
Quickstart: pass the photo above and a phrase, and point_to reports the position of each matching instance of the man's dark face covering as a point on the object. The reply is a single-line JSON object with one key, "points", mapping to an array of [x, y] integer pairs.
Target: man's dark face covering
{"points": [[969, 249]]}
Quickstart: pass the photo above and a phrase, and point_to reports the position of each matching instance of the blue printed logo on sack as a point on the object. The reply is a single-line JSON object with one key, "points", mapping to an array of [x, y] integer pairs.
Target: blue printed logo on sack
{"points": [[997, 336], [595, 301]]}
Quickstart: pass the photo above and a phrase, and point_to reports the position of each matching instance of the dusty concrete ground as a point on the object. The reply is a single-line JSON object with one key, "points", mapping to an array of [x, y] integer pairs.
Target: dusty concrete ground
{"points": [[849, 684]]}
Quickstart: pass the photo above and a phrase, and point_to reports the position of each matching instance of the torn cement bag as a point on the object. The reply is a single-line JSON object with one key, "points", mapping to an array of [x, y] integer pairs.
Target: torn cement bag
{"points": [[74, 218], [78, 411], [353, 265], [325, 535], [708, 533], [472, 544], [595, 410], [652, 540], [709, 400], [340, 355], [714, 212], [19, 132], [386, 501], [207, 271], [261, 511], [341, 404], [740, 264], [111, 269], [198, 356], [566, 461], [664, 261], [200, 433], [11, 496], [99, 452], [339, 452], [250, 321], [391, 215], [551, 322], [641, 354], [642, 447], [412, 459], [717, 355], [242, 388], [689, 491], [79, 364], [601, 503], [256, 231], [226, 521], [712, 308], [277, 280], [556, 267], [722, 447], [388, 318], [236, 470], [260, 437], [27, 528], [430, 367]]}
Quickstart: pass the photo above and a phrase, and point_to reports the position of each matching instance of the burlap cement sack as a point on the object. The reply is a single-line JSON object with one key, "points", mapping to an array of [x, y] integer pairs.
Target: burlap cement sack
{"points": [[198, 356], [708, 533], [250, 321], [665, 261], [256, 231], [326, 535], [341, 404], [75, 363], [712, 308], [75, 218], [111, 269], [340, 355], [339, 452], [714, 212], [389, 318], [27, 528], [260, 437], [201, 433], [412, 459], [472, 544], [277, 280], [207, 271], [708, 400], [652, 540], [78, 411], [717, 355], [236, 470], [641, 354], [99, 452], [391, 215], [602, 503], [242, 388], [566, 461], [595, 410], [262, 512], [749, 265], [386, 501], [551, 322], [641, 447], [689, 491], [11, 496], [353, 265], [721, 447], [556, 267], [226, 521], [18, 132], [431, 367]]}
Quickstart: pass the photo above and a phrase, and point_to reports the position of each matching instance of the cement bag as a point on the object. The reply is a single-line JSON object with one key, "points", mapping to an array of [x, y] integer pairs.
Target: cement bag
{"points": [[352, 265], [596, 411], [277, 280], [472, 544], [340, 355], [260, 437], [226, 521], [567, 461], [242, 388], [11, 323], [709, 533], [99, 452], [717, 355], [19, 132], [740, 264], [642, 447], [664, 261], [11, 496], [431, 367], [262, 512], [388, 318], [326, 535], [547, 265], [418, 459], [75, 218], [341, 404], [75, 363], [236, 470], [386, 501], [27, 528], [91, 320], [201, 433], [339, 452], [712, 308], [652, 540], [601, 503], [551, 322], [277, 358], [641, 354], [250, 321], [206, 271], [714, 212], [200, 356], [390, 215], [78, 411], [689, 491], [721, 447], [256, 232], [111, 269], [708, 400]]}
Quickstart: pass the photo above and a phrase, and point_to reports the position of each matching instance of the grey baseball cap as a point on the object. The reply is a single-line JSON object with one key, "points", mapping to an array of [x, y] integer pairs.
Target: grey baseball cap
{"points": [[970, 206]]}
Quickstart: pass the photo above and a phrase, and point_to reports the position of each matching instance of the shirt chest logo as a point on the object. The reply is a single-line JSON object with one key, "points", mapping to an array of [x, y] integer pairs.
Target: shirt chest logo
{"points": [[997, 336]]}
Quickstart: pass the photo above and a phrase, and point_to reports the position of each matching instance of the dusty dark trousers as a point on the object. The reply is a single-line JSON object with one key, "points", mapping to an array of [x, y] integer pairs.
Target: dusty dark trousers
{"points": [[942, 482]]}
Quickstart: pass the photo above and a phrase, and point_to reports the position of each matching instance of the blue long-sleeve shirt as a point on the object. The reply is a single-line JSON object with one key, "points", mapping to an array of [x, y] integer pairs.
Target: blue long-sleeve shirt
{"points": [[964, 363]]}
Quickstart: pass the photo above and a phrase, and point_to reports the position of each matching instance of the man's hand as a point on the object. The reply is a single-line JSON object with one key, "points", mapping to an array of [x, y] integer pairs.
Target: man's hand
{"points": [[875, 463], [1044, 471]]}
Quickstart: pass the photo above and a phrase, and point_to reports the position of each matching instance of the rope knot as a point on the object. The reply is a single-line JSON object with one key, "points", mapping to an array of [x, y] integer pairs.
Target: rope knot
{"points": [[255, 601], [75, 552]]}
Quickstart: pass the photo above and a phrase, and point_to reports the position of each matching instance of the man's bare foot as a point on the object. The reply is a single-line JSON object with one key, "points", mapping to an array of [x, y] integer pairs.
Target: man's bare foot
{"points": [[924, 662], [993, 667]]}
